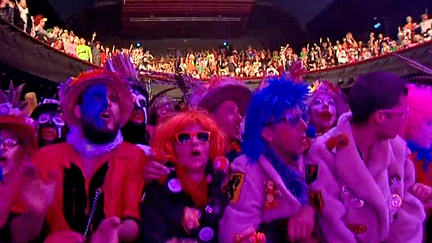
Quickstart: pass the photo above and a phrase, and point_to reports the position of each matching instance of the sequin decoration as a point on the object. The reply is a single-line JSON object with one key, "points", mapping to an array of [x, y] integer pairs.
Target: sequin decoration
{"points": [[206, 234], [357, 202], [396, 201]]}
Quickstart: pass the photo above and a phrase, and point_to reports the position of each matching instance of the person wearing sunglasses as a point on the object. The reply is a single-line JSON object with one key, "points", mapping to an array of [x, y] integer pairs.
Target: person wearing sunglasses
{"points": [[51, 128], [24, 199], [361, 171], [266, 187], [186, 204]]}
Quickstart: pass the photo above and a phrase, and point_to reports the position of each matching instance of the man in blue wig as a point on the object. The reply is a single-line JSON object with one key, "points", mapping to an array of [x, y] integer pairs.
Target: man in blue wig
{"points": [[266, 186]]}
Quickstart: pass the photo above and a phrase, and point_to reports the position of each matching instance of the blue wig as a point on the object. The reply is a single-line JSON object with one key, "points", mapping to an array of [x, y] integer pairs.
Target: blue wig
{"points": [[268, 105]]}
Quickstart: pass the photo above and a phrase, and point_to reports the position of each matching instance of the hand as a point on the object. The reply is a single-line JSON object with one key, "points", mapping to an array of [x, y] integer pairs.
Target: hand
{"points": [[300, 225], [94, 34], [424, 193], [37, 195], [128, 231], [191, 218], [154, 170], [173, 240], [249, 236], [107, 231]]}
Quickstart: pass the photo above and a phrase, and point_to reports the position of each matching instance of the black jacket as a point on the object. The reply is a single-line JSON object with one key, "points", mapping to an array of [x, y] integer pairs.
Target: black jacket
{"points": [[162, 211], [19, 22]]}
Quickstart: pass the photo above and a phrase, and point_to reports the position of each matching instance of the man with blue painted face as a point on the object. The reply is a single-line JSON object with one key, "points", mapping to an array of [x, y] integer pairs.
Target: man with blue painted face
{"points": [[99, 177]]}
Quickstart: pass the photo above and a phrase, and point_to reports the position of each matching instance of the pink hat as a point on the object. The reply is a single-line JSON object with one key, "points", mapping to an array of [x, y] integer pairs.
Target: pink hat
{"points": [[325, 87], [219, 90]]}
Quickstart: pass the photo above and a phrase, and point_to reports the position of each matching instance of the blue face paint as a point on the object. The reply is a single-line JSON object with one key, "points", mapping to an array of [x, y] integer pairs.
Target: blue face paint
{"points": [[95, 101]]}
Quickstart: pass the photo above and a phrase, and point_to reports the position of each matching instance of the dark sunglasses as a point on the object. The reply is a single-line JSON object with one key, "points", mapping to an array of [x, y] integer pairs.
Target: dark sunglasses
{"points": [[184, 137]]}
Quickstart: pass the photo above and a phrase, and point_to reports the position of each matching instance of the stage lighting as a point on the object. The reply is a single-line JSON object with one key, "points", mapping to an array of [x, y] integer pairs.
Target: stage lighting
{"points": [[138, 44], [225, 43]]}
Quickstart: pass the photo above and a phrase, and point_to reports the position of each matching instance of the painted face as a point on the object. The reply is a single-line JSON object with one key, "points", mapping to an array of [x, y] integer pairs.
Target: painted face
{"points": [[139, 113], [421, 135], [9, 148], [288, 136], [323, 112], [100, 108], [192, 147], [51, 128], [228, 118]]}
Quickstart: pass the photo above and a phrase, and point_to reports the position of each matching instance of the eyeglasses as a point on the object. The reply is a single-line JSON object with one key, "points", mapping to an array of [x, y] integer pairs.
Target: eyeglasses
{"points": [[184, 137], [293, 119], [402, 113], [9, 142]]}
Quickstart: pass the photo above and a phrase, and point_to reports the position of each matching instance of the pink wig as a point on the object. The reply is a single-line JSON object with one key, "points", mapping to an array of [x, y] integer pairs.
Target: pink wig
{"points": [[420, 107]]}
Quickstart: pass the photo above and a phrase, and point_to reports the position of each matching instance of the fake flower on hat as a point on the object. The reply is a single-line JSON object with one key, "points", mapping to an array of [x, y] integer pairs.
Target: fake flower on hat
{"points": [[219, 90], [13, 119], [74, 87], [325, 87]]}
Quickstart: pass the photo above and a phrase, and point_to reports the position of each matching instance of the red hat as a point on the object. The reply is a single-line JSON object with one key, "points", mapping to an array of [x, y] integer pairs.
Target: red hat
{"points": [[14, 120], [74, 87]]}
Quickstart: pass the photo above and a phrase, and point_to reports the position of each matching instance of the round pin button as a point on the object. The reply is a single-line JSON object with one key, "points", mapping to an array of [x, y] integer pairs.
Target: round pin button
{"points": [[206, 234], [174, 185], [396, 201], [345, 189], [357, 202]]}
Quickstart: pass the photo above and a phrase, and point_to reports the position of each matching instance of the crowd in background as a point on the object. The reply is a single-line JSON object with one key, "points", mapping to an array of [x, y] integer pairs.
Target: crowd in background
{"points": [[224, 60]]}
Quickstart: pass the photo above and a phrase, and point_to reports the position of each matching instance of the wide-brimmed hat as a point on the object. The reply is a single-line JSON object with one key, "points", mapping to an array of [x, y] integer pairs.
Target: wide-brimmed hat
{"points": [[14, 120], [48, 105], [220, 90], [71, 90], [325, 87]]}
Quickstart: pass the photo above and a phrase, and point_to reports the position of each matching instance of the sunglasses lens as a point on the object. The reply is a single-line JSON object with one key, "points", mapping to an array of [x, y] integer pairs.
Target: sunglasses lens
{"points": [[183, 137], [58, 120], [44, 118], [203, 136]]}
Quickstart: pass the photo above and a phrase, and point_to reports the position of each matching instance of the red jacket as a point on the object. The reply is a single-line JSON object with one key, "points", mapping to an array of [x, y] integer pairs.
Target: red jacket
{"points": [[119, 174]]}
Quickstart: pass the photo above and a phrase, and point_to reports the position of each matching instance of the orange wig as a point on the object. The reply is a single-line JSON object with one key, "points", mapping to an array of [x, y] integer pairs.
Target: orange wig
{"points": [[163, 143]]}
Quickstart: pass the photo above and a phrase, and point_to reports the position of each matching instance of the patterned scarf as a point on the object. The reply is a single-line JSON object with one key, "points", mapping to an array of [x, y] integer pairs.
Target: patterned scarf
{"points": [[292, 178], [86, 149]]}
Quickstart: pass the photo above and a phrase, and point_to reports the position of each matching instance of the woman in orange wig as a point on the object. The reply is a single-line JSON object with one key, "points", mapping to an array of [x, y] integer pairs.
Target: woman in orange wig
{"points": [[188, 203]]}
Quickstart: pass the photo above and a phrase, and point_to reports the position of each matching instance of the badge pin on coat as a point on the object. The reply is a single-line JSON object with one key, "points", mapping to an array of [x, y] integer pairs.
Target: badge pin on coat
{"points": [[206, 234], [174, 185]]}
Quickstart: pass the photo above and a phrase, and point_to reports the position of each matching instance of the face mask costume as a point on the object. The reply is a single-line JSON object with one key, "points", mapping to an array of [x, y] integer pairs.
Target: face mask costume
{"points": [[50, 128], [135, 129], [326, 105]]}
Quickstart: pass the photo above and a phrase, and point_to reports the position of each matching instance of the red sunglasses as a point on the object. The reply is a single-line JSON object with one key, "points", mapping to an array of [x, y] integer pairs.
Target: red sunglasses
{"points": [[184, 137]]}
